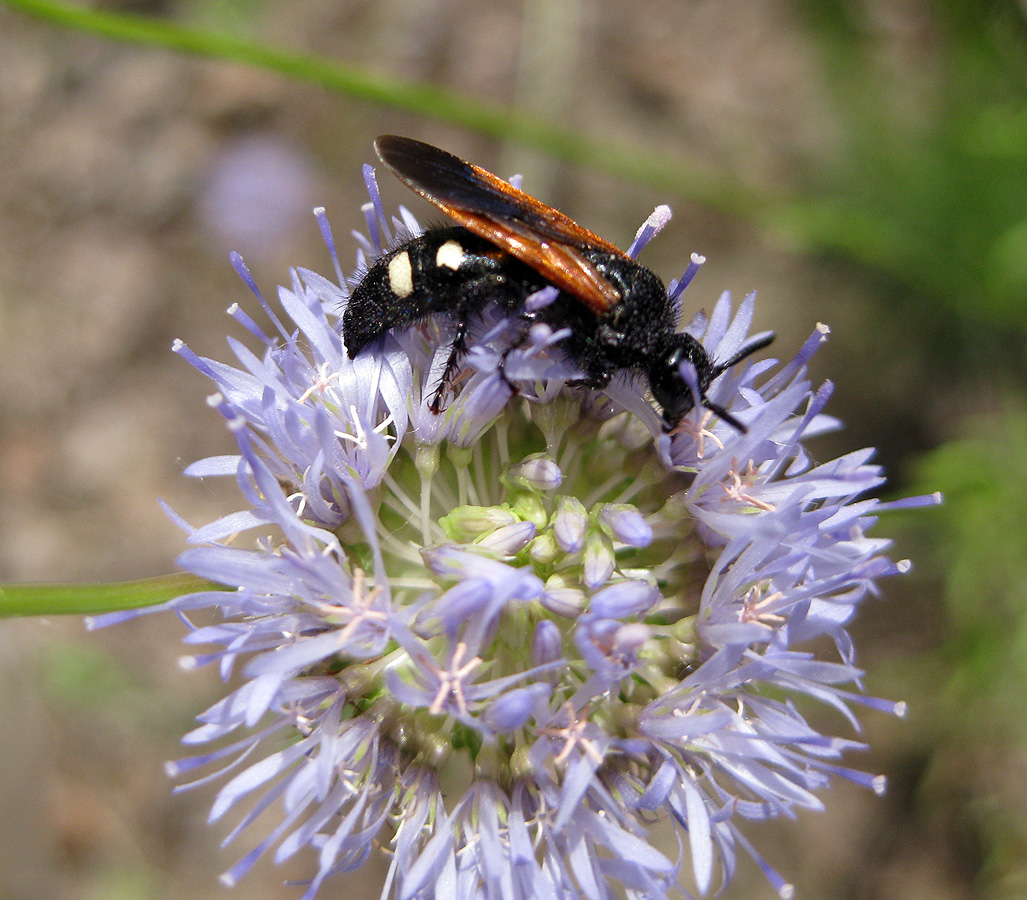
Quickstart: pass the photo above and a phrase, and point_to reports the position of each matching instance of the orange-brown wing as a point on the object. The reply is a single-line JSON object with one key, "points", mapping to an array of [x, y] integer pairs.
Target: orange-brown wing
{"points": [[538, 235]]}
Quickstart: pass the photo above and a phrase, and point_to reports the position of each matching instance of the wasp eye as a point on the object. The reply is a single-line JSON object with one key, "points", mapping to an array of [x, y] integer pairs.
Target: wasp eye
{"points": [[669, 389]]}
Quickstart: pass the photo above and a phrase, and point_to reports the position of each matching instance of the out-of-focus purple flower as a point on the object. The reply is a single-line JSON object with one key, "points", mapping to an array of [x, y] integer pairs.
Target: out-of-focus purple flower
{"points": [[257, 193], [604, 623]]}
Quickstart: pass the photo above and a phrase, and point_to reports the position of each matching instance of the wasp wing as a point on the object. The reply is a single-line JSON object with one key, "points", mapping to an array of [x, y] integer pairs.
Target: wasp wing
{"points": [[538, 235]]}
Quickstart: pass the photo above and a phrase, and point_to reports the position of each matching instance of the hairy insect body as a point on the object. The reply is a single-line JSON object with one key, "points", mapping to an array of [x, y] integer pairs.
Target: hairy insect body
{"points": [[453, 271], [445, 270], [614, 314]]}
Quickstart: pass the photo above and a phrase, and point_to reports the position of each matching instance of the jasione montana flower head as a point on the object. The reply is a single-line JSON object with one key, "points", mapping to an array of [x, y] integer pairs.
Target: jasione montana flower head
{"points": [[598, 624]]}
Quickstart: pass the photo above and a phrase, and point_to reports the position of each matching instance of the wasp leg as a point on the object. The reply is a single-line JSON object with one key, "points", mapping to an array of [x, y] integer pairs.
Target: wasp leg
{"points": [[456, 351], [476, 295]]}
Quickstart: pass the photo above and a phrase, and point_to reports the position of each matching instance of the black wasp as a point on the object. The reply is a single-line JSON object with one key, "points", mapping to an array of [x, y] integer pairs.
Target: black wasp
{"points": [[507, 246]]}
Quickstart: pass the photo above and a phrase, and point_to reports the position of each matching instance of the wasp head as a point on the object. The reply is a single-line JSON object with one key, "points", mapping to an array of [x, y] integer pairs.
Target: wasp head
{"points": [[676, 397]]}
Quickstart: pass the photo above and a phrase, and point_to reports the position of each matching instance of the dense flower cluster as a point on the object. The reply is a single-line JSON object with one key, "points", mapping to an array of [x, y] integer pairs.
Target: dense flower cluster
{"points": [[598, 624]]}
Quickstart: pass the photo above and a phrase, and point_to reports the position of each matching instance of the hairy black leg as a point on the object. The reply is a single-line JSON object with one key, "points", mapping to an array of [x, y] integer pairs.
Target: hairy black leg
{"points": [[476, 294], [457, 349]]}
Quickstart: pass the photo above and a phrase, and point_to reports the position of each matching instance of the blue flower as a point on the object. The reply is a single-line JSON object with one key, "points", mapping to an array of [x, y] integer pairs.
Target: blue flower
{"points": [[600, 623]]}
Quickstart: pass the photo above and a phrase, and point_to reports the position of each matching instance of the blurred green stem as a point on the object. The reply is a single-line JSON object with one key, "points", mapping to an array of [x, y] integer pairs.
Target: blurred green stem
{"points": [[803, 226], [94, 599], [665, 172]]}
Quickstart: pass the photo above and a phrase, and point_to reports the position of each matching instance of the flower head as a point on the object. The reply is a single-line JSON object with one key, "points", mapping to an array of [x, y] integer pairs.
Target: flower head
{"points": [[601, 623]]}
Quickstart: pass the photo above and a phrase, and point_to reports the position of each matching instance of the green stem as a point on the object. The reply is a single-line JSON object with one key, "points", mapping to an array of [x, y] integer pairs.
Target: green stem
{"points": [[803, 226], [665, 172], [94, 599]]}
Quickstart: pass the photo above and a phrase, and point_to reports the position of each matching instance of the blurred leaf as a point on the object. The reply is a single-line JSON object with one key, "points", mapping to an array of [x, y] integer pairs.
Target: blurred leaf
{"points": [[979, 707], [88, 679], [982, 532], [126, 882], [933, 157]]}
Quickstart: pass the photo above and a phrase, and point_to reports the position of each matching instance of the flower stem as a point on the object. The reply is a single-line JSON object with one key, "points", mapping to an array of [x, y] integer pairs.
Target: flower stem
{"points": [[93, 599]]}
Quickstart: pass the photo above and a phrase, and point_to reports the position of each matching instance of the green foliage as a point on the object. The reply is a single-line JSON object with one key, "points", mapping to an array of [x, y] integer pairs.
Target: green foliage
{"points": [[934, 162], [980, 539], [978, 711]]}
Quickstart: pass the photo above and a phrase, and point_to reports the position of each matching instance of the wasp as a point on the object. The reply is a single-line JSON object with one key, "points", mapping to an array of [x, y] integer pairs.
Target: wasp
{"points": [[507, 245]]}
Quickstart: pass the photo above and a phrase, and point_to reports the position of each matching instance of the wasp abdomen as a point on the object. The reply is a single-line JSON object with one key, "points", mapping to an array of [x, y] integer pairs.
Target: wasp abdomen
{"points": [[444, 270]]}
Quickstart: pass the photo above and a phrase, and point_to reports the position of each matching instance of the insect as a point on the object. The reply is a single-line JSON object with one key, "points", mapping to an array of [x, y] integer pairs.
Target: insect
{"points": [[507, 245]]}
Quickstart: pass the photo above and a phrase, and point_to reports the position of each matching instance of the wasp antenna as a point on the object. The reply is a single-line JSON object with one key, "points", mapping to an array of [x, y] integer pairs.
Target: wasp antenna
{"points": [[725, 415], [747, 350]]}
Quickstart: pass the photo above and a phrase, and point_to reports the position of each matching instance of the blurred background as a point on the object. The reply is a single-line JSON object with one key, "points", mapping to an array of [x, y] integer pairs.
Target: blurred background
{"points": [[882, 149]]}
